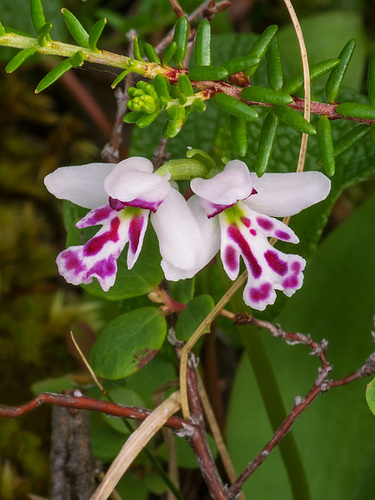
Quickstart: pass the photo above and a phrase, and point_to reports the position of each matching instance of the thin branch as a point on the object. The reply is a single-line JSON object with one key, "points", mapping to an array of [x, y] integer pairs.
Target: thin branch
{"points": [[177, 8], [83, 402], [198, 438], [321, 385]]}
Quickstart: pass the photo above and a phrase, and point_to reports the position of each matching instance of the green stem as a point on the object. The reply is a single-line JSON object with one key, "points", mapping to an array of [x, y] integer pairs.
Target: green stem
{"points": [[148, 69]]}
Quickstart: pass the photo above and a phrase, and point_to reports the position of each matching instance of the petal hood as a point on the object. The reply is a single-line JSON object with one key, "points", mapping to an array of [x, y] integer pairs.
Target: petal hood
{"points": [[226, 188], [133, 182]]}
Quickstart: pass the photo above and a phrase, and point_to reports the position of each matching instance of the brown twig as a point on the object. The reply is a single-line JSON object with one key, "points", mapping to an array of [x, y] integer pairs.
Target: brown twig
{"points": [[321, 385], [198, 438], [177, 8], [83, 402]]}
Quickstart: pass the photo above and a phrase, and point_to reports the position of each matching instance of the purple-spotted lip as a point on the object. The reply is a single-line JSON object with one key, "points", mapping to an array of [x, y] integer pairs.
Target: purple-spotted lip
{"points": [[136, 203]]}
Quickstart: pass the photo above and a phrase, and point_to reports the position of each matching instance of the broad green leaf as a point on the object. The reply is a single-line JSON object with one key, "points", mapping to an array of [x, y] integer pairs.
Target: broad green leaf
{"points": [[335, 303], [128, 343], [141, 279], [53, 385], [183, 290], [370, 395], [191, 317]]}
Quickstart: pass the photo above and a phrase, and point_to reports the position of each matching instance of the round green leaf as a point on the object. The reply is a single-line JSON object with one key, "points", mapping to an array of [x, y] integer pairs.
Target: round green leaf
{"points": [[128, 343], [203, 44], [191, 317]]}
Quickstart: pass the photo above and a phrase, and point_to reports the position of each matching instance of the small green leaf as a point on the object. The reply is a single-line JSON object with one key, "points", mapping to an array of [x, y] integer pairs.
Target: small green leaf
{"points": [[207, 73], [326, 144], [132, 117], [266, 143], [54, 75], [185, 86], [174, 126], [161, 86], [37, 14], [76, 29], [235, 107], [151, 53], [2, 30], [43, 33], [337, 75], [261, 45], [239, 135], [181, 35], [19, 59], [168, 53], [95, 33], [371, 80], [128, 343], [240, 64], [120, 77], [294, 119], [136, 49], [317, 70], [351, 138], [203, 44], [370, 395], [147, 119], [356, 110], [191, 317], [262, 94], [274, 66], [147, 88]]}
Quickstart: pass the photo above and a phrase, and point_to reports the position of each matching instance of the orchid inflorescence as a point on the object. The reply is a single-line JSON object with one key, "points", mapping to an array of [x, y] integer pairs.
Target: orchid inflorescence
{"points": [[233, 211]]}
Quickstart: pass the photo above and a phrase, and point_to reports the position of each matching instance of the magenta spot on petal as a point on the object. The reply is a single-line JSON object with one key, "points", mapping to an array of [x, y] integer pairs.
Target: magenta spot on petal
{"points": [[254, 191], [235, 234], [296, 267], [137, 203], [261, 293], [135, 229], [253, 232], [116, 204], [276, 264], [104, 268], [149, 205], [216, 209], [246, 221], [264, 223], [73, 262], [290, 282], [231, 258], [96, 243], [98, 215], [282, 235]]}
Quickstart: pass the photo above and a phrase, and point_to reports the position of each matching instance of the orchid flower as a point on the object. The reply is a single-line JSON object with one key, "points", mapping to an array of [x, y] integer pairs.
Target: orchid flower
{"points": [[121, 198], [242, 208]]}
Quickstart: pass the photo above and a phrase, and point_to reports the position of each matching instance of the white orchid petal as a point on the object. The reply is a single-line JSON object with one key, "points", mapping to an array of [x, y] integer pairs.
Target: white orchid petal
{"points": [[137, 231], [281, 195], [226, 188], [98, 257], [180, 239], [245, 233], [81, 184], [209, 229], [133, 180], [173, 273]]}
